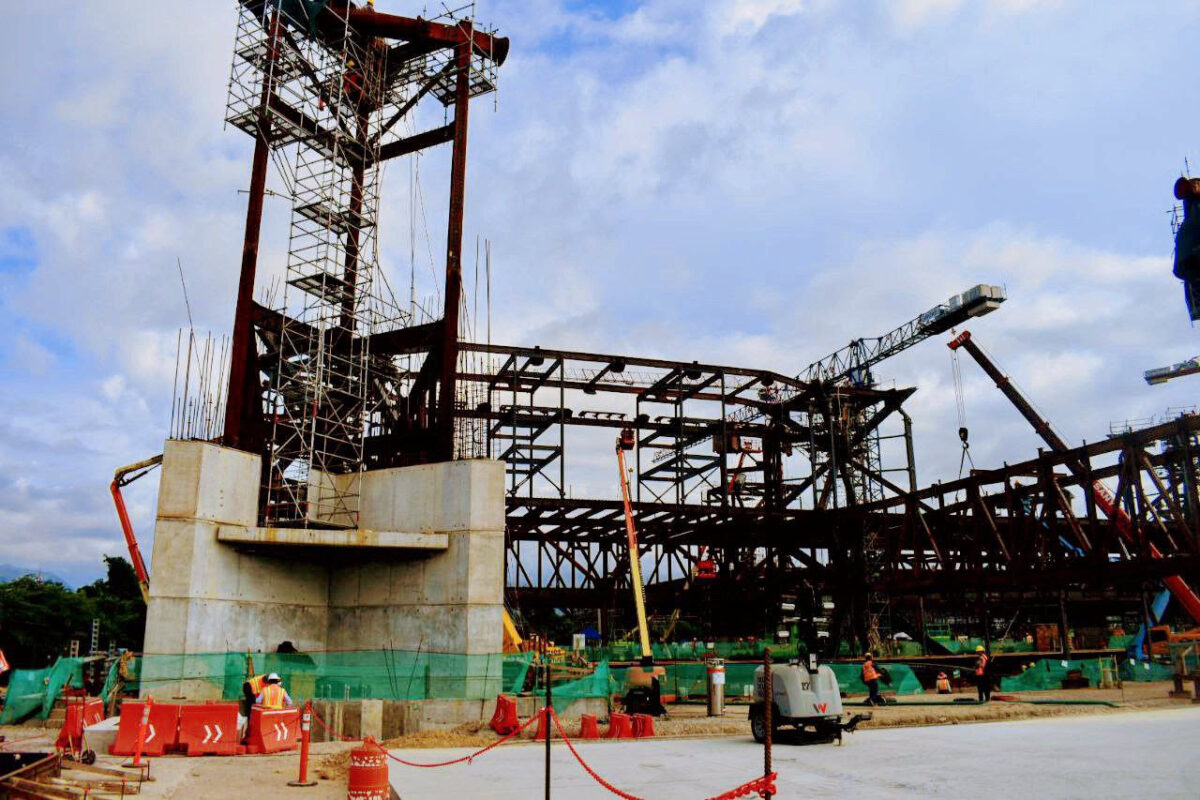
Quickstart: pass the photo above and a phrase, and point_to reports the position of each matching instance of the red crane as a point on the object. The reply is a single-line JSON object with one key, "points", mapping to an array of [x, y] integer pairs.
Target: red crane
{"points": [[123, 477], [1103, 497]]}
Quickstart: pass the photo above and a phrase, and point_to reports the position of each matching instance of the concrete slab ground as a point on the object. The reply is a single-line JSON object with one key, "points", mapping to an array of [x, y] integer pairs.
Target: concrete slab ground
{"points": [[1141, 754]]}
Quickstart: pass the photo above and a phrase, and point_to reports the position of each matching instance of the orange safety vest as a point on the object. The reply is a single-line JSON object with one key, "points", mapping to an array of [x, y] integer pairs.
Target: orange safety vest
{"points": [[272, 696], [256, 684], [943, 683], [981, 665], [869, 673]]}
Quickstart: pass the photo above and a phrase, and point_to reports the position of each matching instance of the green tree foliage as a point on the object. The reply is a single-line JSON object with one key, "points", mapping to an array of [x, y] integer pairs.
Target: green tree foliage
{"points": [[38, 619]]}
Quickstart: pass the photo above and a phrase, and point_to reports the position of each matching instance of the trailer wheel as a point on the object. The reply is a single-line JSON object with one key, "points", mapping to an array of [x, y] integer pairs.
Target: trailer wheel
{"points": [[88, 757], [758, 725]]}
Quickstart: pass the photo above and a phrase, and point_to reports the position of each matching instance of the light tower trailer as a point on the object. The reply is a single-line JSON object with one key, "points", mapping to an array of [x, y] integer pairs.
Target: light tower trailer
{"points": [[807, 698]]}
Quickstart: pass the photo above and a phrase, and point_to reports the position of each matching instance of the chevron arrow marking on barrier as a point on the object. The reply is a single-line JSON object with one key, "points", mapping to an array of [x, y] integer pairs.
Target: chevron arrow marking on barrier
{"points": [[220, 733], [150, 738], [208, 734], [281, 731]]}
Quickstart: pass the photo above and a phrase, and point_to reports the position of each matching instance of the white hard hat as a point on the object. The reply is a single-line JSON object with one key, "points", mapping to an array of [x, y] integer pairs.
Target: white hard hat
{"points": [[273, 677]]}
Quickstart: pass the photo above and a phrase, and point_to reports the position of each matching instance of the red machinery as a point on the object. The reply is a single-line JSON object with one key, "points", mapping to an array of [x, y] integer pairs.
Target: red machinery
{"points": [[1104, 498], [123, 477]]}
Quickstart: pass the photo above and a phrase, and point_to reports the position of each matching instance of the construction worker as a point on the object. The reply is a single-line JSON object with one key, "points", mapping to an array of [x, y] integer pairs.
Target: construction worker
{"points": [[251, 688], [274, 697], [871, 676], [983, 677], [943, 683]]}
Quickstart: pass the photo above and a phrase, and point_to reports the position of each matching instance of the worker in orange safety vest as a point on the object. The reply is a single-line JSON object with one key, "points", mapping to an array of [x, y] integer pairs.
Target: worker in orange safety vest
{"points": [[943, 683], [251, 689], [871, 676], [273, 696], [983, 676]]}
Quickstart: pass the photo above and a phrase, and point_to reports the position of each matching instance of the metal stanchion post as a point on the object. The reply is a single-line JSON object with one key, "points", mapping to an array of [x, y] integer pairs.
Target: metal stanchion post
{"points": [[768, 702], [305, 737]]}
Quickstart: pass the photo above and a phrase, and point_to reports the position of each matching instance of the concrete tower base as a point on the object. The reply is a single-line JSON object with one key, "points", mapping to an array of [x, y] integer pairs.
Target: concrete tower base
{"points": [[424, 569]]}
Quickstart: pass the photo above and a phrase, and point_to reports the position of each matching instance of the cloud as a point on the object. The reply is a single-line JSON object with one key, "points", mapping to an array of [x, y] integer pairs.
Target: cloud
{"points": [[751, 182]]}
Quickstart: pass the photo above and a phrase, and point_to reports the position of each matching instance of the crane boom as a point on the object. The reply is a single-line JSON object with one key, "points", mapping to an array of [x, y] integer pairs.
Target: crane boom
{"points": [[1103, 497], [625, 442], [855, 360]]}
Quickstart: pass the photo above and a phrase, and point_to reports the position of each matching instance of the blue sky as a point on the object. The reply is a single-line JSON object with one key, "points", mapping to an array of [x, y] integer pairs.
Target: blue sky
{"points": [[748, 181]]}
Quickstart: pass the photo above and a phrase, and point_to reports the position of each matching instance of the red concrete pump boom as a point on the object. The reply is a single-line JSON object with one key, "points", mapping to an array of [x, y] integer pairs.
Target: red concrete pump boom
{"points": [[1103, 497], [123, 477]]}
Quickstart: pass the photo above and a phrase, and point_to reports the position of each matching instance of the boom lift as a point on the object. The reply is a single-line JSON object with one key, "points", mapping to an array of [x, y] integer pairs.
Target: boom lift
{"points": [[1103, 497], [123, 477], [645, 692]]}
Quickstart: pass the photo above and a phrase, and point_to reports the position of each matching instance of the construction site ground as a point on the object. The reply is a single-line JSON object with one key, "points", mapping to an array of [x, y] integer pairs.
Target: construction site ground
{"points": [[1141, 713]]}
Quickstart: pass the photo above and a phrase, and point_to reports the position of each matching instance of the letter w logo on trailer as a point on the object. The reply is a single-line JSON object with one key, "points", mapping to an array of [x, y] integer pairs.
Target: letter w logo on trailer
{"points": [[820, 707]]}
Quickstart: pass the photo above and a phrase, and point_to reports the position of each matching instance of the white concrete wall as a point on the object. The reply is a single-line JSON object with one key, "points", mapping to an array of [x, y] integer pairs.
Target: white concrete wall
{"points": [[209, 596]]}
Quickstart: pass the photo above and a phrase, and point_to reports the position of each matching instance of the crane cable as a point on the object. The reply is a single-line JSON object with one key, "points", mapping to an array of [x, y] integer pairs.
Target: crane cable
{"points": [[961, 404]]}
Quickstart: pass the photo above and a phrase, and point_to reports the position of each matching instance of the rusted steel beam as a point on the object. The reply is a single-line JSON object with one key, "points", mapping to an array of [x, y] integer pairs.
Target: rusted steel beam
{"points": [[424, 32], [419, 141]]}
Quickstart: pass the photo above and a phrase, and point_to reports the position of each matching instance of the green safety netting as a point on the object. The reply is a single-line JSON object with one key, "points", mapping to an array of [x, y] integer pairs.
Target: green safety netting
{"points": [[694, 651], [904, 681], [598, 684], [1048, 673], [344, 675], [32, 692]]}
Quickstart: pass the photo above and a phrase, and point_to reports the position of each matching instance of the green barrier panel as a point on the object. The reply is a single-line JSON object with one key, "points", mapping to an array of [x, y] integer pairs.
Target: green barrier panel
{"points": [[598, 684], [33, 692], [349, 675], [1048, 673], [904, 681]]}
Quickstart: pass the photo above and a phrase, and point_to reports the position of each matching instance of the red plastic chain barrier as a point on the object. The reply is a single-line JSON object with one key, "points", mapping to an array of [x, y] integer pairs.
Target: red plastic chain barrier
{"points": [[759, 786], [505, 719], [477, 753], [643, 726], [620, 726], [588, 729]]}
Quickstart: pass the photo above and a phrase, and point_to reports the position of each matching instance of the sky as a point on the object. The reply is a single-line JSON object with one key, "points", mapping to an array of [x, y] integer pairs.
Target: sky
{"points": [[750, 182]]}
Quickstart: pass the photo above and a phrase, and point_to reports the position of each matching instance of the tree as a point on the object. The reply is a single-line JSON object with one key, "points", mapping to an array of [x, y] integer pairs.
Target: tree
{"points": [[38, 619]]}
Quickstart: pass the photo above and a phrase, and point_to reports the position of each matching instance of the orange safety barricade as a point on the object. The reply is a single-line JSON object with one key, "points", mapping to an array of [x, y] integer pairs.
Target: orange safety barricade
{"points": [[643, 726], [80, 713], [588, 729], [505, 721], [368, 777], [542, 727], [619, 726], [209, 729], [273, 731], [162, 733]]}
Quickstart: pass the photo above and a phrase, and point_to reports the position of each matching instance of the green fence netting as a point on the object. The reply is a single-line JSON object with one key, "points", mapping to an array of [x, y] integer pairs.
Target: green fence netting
{"points": [[345, 675], [694, 651], [1048, 673], [32, 692], [904, 681], [599, 684]]}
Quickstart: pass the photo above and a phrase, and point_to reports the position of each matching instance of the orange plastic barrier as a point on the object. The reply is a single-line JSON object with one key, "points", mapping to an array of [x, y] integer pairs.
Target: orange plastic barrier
{"points": [[161, 734], [273, 731], [619, 726], [209, 729], [80, 713], [542, 727], [588, 729], [643, 726], [505, 721]]}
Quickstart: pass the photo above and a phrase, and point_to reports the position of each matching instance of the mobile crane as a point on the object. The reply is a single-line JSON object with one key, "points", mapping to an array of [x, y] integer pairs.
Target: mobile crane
{"points": [[645, 692], [121, 478], [1103, 497]]}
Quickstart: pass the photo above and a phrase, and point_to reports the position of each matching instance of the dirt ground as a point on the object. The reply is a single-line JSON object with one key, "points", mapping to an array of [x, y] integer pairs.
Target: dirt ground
{"points": [[266, 777]]}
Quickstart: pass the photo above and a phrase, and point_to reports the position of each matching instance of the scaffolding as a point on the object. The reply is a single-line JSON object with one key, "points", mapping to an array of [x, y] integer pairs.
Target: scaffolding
{"points": [[333, 105]]}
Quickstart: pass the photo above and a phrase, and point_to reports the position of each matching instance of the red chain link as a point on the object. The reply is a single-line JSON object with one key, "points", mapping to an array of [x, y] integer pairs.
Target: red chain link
{"points": [[759, 786], [474, 755]]}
